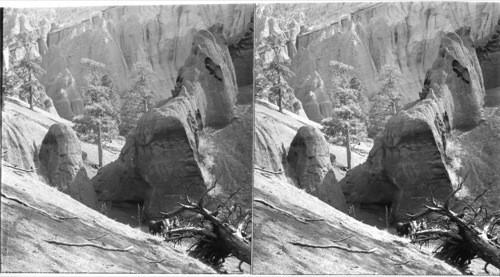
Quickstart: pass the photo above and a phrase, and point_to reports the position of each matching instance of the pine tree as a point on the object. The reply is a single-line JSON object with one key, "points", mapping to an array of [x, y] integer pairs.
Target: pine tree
{"points": [[347, 124], [141, 78], [98, 121], [272, 76], [26, 69], [386, 102], [138, 100]]}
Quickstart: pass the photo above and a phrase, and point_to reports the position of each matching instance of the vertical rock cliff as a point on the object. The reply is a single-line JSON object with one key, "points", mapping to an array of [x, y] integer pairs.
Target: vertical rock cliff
{"points": [[121, 36], [368, 36]]}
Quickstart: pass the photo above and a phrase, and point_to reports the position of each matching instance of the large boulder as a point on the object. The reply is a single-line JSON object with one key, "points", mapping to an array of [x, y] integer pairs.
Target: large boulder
{"points": [[184, 143], [61, 163], [423, 146], [309, 160]]}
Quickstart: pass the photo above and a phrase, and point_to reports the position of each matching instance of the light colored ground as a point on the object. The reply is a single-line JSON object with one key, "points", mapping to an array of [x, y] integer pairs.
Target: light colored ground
{"points": [[25, 231]]}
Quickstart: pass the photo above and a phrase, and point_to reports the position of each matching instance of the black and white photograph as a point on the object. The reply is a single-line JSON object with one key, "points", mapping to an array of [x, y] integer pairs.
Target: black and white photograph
{"points": [[377, 133], [254, 138], [127, 139]]}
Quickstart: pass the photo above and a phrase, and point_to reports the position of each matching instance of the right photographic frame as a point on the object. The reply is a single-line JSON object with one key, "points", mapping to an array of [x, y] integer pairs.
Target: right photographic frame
{"points": [[376, 145]]}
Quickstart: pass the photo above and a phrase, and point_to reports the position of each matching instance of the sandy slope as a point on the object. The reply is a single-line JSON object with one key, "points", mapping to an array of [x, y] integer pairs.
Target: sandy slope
{"points": [[25, 231]]}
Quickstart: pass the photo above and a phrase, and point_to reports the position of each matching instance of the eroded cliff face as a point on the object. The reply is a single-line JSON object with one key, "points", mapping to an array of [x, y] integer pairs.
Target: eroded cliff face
{"points": [[368, 36], [429, 144], [121, 36], [186, 141]]}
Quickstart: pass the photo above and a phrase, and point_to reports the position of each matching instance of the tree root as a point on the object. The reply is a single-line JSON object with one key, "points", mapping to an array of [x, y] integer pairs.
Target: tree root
{"points": [[90, 244], [55, 217], [332, 246], [298, 218]]}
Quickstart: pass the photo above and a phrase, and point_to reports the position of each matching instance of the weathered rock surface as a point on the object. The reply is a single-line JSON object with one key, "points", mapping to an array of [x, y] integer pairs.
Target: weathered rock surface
{"points": [[17, 149], [309, 160], [368, 36], [121, 36], [185, 142], [61, 163], [433, 141]]}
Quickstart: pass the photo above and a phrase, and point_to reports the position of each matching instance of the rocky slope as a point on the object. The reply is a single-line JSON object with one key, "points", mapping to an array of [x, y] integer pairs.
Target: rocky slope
{"points": [[121, 36], [368, 36], [186, 141], [435, 142]]}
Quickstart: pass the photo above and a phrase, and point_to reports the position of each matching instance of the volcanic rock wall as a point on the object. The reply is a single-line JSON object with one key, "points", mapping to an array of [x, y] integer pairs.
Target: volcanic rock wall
{"points": [[168, 154], [368, 36], [424, 146], [121, 36]]}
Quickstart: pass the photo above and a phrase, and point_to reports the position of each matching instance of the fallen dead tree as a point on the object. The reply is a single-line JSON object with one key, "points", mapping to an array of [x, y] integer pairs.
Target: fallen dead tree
{"points": [[217, 234], [472, 233]]}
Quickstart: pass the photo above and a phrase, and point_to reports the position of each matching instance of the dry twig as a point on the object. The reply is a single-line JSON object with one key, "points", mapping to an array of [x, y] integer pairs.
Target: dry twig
{"points": [[17, 168], [268, 171], [298, 218], [55, 217], [332, 246], [90, 244]]}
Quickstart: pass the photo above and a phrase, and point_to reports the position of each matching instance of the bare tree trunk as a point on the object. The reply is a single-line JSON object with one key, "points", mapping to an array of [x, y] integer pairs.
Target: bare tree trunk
{"points": [[99, 144], [279, 95], [348, 148], [393, 104], [30, 100], [146, 108]]}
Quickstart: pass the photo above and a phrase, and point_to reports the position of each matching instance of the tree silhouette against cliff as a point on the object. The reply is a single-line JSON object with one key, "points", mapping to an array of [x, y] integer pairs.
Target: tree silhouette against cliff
{"points": [[386, 102], [138, 100], [271, 76], [346, 125], [98, 123], [25, 71]]}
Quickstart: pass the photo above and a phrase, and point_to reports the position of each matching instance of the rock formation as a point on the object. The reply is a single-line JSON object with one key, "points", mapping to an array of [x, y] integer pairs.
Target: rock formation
{"points": [[17, 149], [309, 161], [183, 143], [429, 144], [61, 163], [368, 36], [121, 36]]}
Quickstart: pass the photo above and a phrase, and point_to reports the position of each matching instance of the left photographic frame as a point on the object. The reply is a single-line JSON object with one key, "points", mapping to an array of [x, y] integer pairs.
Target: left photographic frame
{"points": [[127, 139]]}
